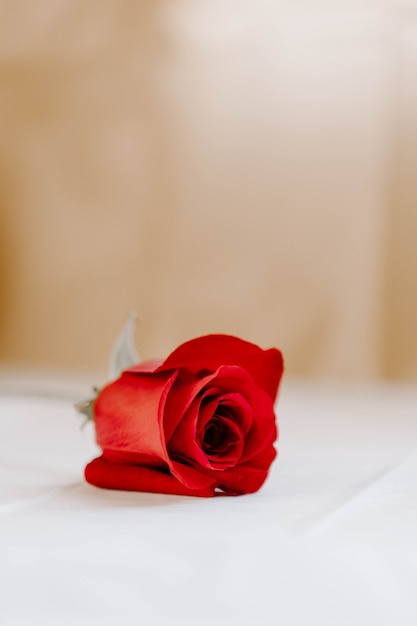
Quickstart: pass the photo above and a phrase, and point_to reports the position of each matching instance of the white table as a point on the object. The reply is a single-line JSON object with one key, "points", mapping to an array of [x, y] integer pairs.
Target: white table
{"points": [[330, 539]]}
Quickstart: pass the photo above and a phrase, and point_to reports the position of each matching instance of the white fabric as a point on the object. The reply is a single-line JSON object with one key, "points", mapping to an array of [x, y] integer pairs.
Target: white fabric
{"points": [[330, 539]]}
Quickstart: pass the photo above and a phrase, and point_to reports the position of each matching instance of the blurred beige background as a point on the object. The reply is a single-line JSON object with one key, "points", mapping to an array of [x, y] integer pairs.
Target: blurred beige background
{"points": [[217, 165]]}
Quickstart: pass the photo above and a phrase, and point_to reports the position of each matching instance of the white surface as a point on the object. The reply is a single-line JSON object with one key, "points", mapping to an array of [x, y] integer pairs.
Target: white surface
{"points": [[330, 539]]}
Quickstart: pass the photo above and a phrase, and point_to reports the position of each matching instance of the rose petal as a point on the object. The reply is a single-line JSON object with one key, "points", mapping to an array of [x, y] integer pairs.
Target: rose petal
{"points": [[239, 407], [184, 444], [229, 434], [264, 429], [145, 366], [128, 415], [212, 351], [180, 398], [102, 473], [229, 451], [247, 477], [135, 458], [208, 406], [191, 477]]}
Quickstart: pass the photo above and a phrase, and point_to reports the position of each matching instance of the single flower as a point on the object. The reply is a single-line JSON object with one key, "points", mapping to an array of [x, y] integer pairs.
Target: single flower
{"points": [[198, 423]]}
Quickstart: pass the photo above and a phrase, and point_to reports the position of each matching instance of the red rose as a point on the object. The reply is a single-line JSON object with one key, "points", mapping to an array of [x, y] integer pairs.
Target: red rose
{"points": [[198, 423]]}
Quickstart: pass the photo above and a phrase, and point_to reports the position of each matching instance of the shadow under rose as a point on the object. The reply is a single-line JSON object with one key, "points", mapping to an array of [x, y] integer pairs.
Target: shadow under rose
{"points": [[88, 496]]}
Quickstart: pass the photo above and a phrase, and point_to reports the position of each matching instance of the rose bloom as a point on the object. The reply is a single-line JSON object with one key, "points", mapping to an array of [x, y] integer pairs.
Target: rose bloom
{"points": [[199, 423]]}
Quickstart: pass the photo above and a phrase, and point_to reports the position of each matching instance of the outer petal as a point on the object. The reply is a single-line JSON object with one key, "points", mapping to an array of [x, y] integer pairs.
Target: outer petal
{"points": [[180, 398], [193, 478], [103, 473], [145, 366], [184, 444], [248, 477], [128, 417], [208, 353], [264, 430]]}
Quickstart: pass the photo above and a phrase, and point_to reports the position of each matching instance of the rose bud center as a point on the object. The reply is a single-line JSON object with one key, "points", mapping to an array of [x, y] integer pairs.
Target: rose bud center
{"points": [[214, 439], [222, 440]]}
